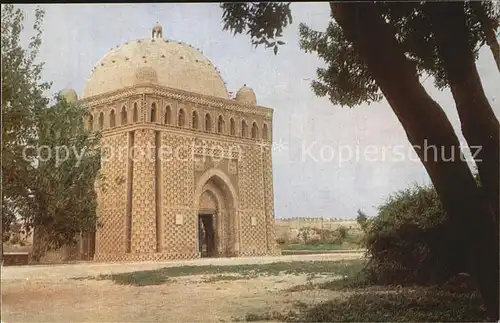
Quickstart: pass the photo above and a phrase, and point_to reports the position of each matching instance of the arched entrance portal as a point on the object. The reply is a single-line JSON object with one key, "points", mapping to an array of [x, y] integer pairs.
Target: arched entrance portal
{"points": [[216, 199]]}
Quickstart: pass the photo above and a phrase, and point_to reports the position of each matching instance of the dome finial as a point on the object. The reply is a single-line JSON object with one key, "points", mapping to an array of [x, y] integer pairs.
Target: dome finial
{"points": [[157, 31]]}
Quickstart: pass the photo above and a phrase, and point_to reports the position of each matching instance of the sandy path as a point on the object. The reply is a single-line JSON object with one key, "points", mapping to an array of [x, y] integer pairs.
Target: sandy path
{"points": [[188, 299], [48, 294]]}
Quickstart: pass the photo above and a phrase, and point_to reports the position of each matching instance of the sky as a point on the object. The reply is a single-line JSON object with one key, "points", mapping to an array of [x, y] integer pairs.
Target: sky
{"points": [[315, 168]]}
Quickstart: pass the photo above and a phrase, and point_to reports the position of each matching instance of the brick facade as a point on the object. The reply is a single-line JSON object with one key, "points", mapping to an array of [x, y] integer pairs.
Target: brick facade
{"points": [[163, 173]]}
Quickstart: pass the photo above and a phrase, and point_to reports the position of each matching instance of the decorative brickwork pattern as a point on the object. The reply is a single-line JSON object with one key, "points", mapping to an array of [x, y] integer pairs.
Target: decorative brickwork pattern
{"points": [[144, 195], [251, 189], [111, 236], [154, 256], [269, 198], [243, 203], [144, 109], [177, 199], [253, 238], [180, 239], [250, 179], [233, 167]]}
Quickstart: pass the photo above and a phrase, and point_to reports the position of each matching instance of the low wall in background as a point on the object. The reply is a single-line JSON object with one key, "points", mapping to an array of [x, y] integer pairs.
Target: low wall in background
{"points": [[290, 227], [15, 258]]}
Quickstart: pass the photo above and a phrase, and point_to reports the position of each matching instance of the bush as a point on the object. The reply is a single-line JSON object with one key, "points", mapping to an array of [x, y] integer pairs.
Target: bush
{"points": [[335, 239], [342, 231], [315, 241], [304, 234], [362, 220], [281, 241], [15, 239], [410, 240]]}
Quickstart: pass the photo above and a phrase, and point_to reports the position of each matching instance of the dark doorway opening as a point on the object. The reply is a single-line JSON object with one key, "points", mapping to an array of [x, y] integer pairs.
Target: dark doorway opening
{"points": [[206, 235]]}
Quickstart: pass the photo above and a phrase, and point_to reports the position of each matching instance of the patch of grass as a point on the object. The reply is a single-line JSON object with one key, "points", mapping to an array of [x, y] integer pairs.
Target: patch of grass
{"points": [[422, 304], [352, 274], [154, 277], [285, 252], [141, 278], [417, 305], [326, 246], [218, 278], [255, 317], [303, 287], [349, 242]]}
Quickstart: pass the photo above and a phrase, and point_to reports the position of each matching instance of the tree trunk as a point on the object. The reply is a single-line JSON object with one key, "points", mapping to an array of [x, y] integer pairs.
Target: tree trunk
{"points": [[1, 224], [479, 124], [492, 42], [489, 27], [426, 126]]}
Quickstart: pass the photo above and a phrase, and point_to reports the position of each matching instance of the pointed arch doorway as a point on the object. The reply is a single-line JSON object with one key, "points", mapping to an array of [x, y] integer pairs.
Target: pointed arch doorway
{"points": [[217, 228]]}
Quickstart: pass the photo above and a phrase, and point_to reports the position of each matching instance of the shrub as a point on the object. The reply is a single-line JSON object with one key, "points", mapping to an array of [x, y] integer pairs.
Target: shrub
{"points": [[283, 238], [410, 240], [304, 234], [362, 220], [342, 231], [328, 236], [314, 241], [15, 239], [281, 241]]}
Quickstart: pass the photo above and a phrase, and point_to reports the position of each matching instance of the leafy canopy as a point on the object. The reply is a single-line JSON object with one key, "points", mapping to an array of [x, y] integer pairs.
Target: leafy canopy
{"points": [[22, 96], [42, 190], [346, 79]]}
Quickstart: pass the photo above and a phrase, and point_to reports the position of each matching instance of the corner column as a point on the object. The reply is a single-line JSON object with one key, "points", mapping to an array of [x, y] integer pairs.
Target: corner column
{"points": [[144, 239]]}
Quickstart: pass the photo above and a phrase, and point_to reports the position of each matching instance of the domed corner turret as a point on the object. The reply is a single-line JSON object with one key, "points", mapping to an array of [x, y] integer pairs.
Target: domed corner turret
{"points": [[246, 95], [69, 95], [145, 74]]}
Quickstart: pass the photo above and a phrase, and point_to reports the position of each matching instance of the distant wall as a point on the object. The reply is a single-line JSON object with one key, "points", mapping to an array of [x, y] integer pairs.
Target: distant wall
{"points": [[290, 227]]}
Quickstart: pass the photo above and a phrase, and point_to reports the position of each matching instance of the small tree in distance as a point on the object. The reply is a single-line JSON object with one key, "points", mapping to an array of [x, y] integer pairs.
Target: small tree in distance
{"points": [[362, 220]]}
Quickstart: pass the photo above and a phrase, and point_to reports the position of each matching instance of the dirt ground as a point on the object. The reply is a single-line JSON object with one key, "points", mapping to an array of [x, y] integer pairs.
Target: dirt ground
{"points": [[35, 295]]}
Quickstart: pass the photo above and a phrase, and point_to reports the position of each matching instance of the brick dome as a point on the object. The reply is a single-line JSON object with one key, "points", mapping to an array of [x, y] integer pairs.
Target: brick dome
{"points": [[173, 64]]}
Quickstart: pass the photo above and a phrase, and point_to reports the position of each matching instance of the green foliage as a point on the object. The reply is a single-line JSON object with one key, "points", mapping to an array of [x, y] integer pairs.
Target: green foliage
{"points": [[347, 81], [64, 201], [456, 301], [417, 305], [318, 246], [154, 277], [333, 237], [410, 240], [316, 236], [15, 239], [310, 238], [264, 21], [22, 95], [142, 278], [362, 220], [342, 231], [52, 193], [281, 241]]}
